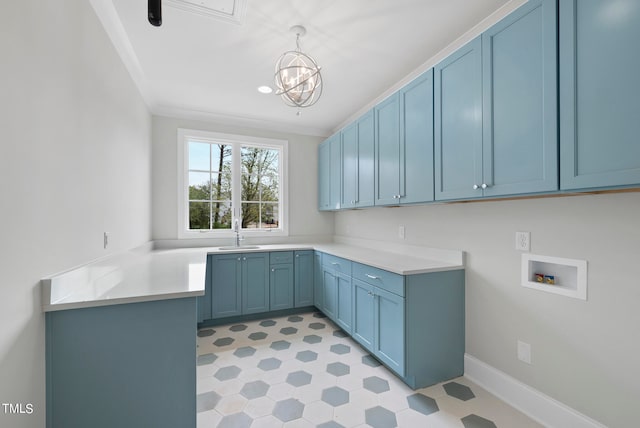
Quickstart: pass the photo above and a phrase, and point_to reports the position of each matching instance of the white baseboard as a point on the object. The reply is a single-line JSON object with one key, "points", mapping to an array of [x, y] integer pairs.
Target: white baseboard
{"points": [[533, 403]]}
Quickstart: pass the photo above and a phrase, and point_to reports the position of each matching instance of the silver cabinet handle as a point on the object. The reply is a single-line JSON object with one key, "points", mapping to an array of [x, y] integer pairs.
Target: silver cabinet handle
{"points": [[244, 258], [297, 255], [273, 270], [372, 276], [238, 258], [476, 187], [484, 185], [335, 264]]}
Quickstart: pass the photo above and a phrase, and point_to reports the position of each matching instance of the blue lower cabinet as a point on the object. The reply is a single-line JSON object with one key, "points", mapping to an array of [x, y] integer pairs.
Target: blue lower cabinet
{"points": [[329, 293], [127, 365], [318, 288], [343, 315], [281, 286], [363, 314], [389, 339], [204, 302], [226, 286], [303, 270], [255, 283]]}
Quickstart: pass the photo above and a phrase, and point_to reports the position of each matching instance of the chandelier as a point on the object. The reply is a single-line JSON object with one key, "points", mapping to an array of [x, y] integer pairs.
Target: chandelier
{"points": [[297, 77]]}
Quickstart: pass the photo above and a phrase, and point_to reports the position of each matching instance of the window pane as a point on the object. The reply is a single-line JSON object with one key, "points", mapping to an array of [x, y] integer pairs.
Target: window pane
{"points": [[260, 174], [269, 216], [199, 186], [199, 156], [220, 157], [250, 215], [221, 187], [221, 215], [199, 214]]}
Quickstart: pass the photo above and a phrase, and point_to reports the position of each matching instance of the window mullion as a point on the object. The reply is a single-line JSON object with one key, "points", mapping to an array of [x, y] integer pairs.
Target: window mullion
{"points": [[236, 182]]}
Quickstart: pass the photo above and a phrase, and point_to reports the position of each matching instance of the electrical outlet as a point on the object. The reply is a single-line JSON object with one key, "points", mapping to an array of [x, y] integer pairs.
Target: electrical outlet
{"points": [[105, 239], [401, 232], [523, 241], [524, 352]]}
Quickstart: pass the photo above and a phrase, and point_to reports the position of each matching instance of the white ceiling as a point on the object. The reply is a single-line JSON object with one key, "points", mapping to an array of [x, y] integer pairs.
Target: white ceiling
{"points": [[202, 67]]}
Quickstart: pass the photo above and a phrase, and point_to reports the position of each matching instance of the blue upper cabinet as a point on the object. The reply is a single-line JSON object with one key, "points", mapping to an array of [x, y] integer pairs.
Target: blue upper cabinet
{"points": [[335, 175], [416, 135], [324, 175], [357, 163], [520, 125], [599, 93], [458, 123], [387, 151]]}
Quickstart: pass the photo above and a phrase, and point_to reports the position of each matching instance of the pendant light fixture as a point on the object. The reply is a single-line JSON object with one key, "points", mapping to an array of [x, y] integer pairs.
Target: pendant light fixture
{"points": [[298, 80]]}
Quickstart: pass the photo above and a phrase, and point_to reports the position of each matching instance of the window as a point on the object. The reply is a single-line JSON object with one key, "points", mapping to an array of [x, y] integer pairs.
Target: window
{"points": [[228, 178]]}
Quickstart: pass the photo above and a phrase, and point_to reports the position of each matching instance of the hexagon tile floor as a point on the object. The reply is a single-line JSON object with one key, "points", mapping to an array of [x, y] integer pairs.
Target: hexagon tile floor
{"points": [[303, 371]]}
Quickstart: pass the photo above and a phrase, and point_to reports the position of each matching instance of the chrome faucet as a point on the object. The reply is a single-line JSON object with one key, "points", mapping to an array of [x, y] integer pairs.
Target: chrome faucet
{"points": [[236, 229]]}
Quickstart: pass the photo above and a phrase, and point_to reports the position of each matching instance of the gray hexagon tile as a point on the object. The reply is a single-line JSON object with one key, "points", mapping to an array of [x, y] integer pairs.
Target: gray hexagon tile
{"points": [[288, 410], [295, 318], [207, 401], [375, 384], [280, 345], [224, 341], [236, 420], [226, 373], [267, 323], [459, 391], [238, 327], [206, 359], [259, 335], [269, 364], [254, 389], [330, 424], [370, 361], [340, 349], [319, 315], [206, 333], [475, 421], [245, 351], [338, 369], [288, 330], [306, 356], [340, 333], [312, 338], [335, 396], [317, 326], [299, 378], [423, 404], [379, 417]]}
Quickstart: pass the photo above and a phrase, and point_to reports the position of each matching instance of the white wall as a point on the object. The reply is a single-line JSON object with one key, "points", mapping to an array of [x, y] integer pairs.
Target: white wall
{"points": [[585, 354], [74, 162], [306, 223]]}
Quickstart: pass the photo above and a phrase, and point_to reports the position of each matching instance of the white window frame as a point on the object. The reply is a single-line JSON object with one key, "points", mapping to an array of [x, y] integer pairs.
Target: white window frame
{"points": [[236, 141]]}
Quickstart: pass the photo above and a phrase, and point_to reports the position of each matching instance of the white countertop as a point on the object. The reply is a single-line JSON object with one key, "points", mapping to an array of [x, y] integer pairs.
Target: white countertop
{"points": [[143, 275]]}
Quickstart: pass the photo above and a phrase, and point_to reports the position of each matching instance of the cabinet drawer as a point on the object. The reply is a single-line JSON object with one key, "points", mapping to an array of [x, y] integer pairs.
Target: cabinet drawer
{"points": [[337, 263], [386, 280], [281, 257]]}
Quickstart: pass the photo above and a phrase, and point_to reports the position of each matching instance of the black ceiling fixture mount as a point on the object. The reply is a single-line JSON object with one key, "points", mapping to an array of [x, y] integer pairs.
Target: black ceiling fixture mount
{"points": [[155, 12]]}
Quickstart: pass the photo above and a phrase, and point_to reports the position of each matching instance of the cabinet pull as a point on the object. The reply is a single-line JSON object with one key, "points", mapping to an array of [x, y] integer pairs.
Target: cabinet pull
{"points": [[372, 276], [244, 258], [476, 187], [297, 255], [273, 270], [484, 185], [238, 258], [335, 264]]}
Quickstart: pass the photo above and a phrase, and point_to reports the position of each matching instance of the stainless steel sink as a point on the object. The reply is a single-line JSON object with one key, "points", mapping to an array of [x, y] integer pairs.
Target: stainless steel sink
{"points": [[240, 248]]}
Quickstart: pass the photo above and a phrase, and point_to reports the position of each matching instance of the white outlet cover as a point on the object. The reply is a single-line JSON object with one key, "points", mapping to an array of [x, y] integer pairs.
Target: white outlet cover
{"points": [[524, 352], [523, 241]]}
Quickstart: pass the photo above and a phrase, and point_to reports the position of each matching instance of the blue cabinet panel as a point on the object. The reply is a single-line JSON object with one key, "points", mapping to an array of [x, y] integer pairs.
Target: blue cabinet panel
{"points": [[255, 283], [520, 143], [324, 176], [318, 288], [226, 291], [366, 167], [599, 93], [349, 166], [458, 123], [343, 316], [387, 151], [363, 314], [416, 157], [335, 175], [204, 302], [303, 279], [390, 330], [329, 293], [281, 286]]}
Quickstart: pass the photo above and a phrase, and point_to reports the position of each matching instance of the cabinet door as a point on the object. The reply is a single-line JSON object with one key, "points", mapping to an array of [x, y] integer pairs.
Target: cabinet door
{"points": [[520, 144], [329, 293], [204, 302], [226, 293], [599, 93], [363, 314], [324, 175], [317, 280], [255, 283], [303, 278], [416, 158], [366, 168], [335, 176], [343, 317], [387, 146], [350, 166], [281, 287], [389, 330], [458, 124]]}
